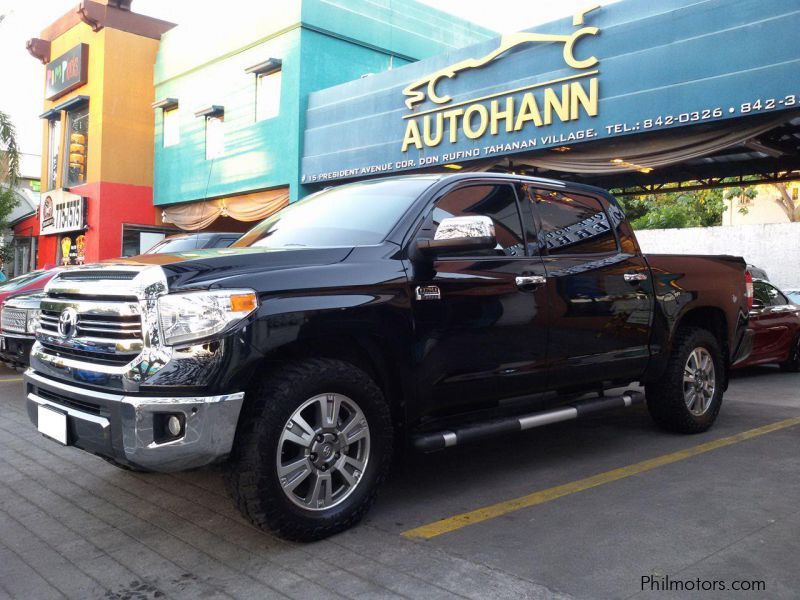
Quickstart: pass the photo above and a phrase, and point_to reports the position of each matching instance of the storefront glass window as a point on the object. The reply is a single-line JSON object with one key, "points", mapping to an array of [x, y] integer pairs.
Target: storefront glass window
{"points": [[77, 144], [172, 132], [215, 137], [137, 240], [268, 95], [53, 143], [72, 249]]}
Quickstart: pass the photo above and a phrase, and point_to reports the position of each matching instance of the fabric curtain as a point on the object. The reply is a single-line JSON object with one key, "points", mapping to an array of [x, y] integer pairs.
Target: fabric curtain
{"points": [[636, 153], [194, 216]]}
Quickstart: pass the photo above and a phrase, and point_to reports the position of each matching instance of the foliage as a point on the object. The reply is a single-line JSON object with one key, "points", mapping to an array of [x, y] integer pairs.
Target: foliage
{"points": [[741, 192], [9, 176], [9, 168], [672, 210]]}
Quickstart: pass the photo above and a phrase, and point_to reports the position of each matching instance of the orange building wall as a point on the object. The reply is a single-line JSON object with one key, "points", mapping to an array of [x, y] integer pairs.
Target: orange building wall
{"points": [[119, 160]]}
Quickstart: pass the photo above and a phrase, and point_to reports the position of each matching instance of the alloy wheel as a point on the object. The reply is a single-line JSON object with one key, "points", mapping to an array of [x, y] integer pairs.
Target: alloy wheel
{"points": [[699, 381], [323, 451]]}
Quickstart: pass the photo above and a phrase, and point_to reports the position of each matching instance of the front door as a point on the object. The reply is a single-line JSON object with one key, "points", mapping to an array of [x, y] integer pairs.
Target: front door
{"points": [[598, 288], [484, 338], [774, 324]]}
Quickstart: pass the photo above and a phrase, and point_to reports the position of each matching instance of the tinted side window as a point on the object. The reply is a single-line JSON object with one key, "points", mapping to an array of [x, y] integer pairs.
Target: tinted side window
{"points": [[768, 295], [760, 292], [773, 296], [573, 224], [497, 202], [780, 299]]}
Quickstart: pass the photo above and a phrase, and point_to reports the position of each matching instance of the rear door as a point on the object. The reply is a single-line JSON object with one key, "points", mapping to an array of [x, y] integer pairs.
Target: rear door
{"points": [[598, 287], [481, 326]]}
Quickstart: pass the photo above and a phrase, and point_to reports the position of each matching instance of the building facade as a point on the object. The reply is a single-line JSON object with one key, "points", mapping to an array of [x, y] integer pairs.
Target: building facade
{"points": [[97, 134], [20, 242], [231, 95]]}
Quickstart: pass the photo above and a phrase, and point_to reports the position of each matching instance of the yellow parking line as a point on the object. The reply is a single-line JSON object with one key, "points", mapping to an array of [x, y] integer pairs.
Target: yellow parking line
{"points": [[6, 379], [479, 515]]}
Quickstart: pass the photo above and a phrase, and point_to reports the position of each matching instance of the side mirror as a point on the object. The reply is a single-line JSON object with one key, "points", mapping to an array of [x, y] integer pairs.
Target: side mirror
{"points": [[459, 234], [758, 305]]}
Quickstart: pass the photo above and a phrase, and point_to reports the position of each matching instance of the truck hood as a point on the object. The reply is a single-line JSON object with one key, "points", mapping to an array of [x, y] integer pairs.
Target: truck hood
{"points": [[204, 268]]}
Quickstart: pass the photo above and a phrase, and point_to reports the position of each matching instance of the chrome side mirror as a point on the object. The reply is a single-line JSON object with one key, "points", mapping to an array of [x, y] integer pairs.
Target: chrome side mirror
{"points": [[457, 235], [465, 228]]}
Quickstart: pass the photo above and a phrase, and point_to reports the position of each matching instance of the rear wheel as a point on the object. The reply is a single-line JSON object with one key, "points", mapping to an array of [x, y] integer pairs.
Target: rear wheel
{"points": [[792, 365], [688, 395], [312, 450]]}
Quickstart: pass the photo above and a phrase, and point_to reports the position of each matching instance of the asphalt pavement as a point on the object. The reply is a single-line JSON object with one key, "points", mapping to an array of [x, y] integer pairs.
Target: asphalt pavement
{"points": [[608, 507]]}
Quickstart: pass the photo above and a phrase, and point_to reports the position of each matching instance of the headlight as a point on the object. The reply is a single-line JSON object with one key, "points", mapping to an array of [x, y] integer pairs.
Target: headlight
{"points": [[195, 315], [32, 320]]}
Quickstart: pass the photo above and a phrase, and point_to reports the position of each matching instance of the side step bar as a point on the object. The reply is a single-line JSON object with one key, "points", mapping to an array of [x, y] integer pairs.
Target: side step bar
{"points": [[438, 440]]}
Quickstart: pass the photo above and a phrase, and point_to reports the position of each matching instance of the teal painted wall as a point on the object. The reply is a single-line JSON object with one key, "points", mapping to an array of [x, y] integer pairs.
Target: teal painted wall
{"points": [[321, 43]]}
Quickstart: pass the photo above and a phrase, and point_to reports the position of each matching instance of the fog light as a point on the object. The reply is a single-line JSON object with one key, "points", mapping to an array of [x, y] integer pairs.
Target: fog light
{"points": [[168, 427], [174, 425]]}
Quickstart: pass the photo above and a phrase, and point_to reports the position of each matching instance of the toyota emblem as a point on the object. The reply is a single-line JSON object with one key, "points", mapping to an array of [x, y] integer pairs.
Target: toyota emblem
{"points": [[68, 322]]}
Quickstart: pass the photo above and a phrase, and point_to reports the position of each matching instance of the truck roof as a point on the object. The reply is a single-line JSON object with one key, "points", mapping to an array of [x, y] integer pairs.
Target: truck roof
{"points": [[500, 176]]}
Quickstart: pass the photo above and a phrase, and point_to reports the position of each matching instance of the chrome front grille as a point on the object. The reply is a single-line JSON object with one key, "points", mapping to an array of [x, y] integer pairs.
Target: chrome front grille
{"points": [[98, 326], [105, 331], [14, 320]]}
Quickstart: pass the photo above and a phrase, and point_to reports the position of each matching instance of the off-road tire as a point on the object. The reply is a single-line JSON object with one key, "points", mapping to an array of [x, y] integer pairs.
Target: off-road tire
{"points": [[665, 396], [251, 473], [793, 364]]}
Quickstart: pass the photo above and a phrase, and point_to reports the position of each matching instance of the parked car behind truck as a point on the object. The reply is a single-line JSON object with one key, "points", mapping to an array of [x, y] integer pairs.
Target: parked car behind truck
{"points": [[775, 322], [19, 320], [429, 310]]}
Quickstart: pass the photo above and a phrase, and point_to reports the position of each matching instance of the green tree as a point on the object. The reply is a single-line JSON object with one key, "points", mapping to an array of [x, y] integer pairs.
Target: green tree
{"points": [[748, 192], [673, 210], [9, 176], [9, 168]]}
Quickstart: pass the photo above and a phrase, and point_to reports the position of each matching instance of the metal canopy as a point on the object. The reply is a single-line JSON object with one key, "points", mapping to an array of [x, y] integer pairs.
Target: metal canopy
{"points": [[771, 157]]}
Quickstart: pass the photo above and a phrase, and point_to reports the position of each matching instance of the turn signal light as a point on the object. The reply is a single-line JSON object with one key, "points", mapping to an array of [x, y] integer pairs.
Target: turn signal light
{"points": [[243, 302], [748, 289]]}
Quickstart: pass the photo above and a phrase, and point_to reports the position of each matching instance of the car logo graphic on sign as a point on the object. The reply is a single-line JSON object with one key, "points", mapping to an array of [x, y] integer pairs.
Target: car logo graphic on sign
{"points": [[68, 322]]}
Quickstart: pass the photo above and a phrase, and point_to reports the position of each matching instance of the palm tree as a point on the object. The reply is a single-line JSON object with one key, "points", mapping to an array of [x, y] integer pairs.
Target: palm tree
{"points": [[9, 153], [9, 176]]}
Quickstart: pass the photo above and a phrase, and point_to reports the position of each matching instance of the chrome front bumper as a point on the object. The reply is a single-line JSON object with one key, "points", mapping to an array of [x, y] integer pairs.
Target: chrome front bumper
{"points": [[122, 427]]}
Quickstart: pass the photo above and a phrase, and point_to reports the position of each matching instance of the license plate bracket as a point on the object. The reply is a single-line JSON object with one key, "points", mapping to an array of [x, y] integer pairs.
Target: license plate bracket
{"points": [[52, 423]]}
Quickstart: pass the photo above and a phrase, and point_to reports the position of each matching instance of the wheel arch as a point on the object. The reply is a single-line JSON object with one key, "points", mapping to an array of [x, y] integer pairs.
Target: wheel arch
{"points": [[367, 351], [710, 318]]}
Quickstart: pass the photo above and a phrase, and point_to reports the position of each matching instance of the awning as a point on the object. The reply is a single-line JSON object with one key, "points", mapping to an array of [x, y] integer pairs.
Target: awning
{"points": [[73, 102], [165, 104], [193, 216], [647, 152]]}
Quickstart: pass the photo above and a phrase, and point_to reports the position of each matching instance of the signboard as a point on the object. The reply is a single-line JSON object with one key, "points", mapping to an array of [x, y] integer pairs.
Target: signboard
{"points": [[67, 72], [61, 211], [611, 71]]}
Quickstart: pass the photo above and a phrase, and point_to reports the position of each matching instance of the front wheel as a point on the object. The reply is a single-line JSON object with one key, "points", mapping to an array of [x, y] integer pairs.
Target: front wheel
{"points": [[312, 450], [688, 395]]}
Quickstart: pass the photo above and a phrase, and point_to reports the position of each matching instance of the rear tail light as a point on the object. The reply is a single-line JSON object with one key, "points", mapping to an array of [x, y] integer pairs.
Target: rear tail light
{"points": [[748, 289]]}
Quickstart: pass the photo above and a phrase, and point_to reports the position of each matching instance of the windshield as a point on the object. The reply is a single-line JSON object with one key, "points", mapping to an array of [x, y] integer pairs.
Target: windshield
{"points": [[170, 245], [358, 214], [22, 281]]}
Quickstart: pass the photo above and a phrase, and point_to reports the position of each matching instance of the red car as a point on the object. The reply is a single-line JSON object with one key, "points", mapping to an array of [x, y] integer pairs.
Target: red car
{"points": [[27, 284], [775, 322]]}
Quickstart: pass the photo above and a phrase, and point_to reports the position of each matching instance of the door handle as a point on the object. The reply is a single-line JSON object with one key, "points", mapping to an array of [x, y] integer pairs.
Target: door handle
{"points": [[530, 281], [632, 277]]}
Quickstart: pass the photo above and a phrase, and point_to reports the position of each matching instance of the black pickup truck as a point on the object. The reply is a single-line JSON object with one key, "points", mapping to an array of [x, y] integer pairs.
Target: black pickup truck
{"points": [[409, 312]]}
